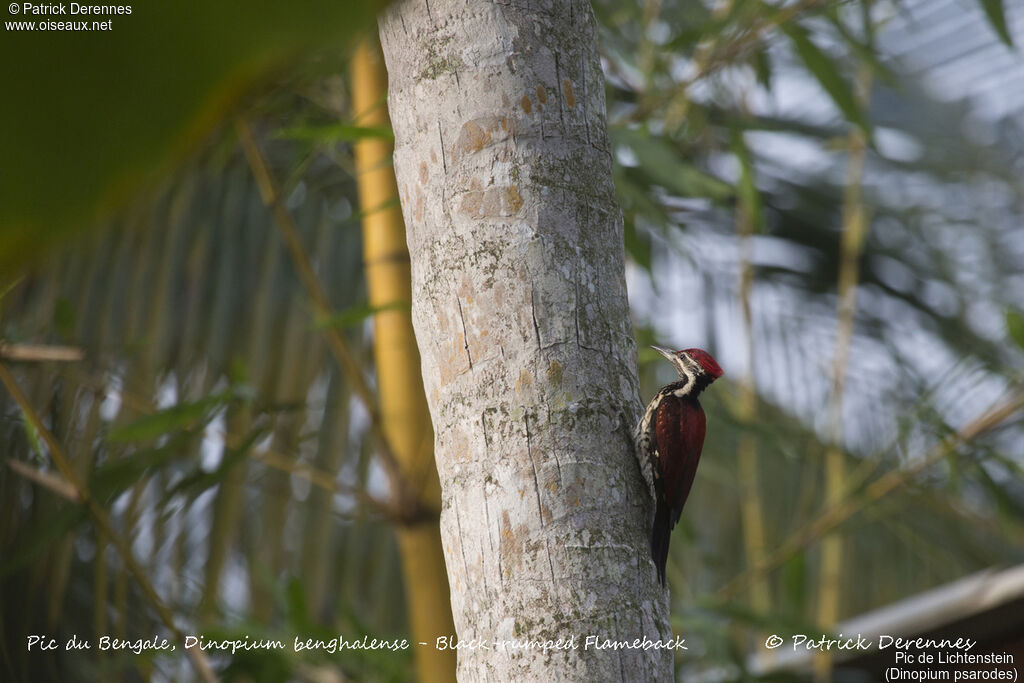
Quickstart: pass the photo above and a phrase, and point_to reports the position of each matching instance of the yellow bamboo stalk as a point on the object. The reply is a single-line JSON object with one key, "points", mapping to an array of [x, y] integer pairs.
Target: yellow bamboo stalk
{"points": [[403, 404]]}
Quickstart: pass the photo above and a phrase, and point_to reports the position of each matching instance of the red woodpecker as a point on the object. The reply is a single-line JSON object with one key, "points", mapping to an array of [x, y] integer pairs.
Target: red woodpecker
{"points": [[669, 438]]}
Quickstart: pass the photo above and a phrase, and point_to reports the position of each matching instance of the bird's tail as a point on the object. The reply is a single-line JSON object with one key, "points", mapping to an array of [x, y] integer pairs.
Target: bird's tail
{"points": [[661, 532]]}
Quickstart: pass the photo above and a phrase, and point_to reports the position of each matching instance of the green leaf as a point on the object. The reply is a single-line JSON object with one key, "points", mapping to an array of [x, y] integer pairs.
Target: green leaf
{"points": [[762, 64], [750, 197], [260, 665], [663, 166], [298, 607], [178, 416], [7, 285], [238, 372], [638, 244], [48, 531], [1015, 326], [34, 440], [339, 132], [1009, 506], [794, 581], [119, 474], [64, 319], [866, 50], [200, 480], [827, 73], [632, 187], [997, 17], [783, 624], [357, 314]]}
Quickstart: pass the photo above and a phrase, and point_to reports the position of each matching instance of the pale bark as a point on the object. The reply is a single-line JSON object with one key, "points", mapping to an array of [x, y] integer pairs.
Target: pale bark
{"points": [[519, 305]]}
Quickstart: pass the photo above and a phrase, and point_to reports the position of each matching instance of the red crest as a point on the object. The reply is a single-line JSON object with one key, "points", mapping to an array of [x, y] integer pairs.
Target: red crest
{"points": [[705, 360]]}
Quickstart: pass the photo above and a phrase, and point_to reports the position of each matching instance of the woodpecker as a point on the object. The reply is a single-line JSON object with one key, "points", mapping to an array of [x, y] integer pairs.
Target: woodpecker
{"points": [[669, 438]]}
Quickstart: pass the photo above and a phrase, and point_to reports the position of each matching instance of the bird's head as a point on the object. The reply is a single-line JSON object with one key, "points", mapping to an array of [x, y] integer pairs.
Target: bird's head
{"points": [[696, 367]]}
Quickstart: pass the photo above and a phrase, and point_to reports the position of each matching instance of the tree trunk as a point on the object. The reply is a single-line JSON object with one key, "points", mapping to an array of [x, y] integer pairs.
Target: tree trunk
{"points": [[520, 310]]}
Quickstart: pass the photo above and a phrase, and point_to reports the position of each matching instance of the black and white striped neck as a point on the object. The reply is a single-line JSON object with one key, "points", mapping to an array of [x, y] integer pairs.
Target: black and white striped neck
{"points": [[689, 387]]}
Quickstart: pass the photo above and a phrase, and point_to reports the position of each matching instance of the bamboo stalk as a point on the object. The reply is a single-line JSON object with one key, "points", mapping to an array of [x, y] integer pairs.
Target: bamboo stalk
{"points": [[751, 507], [230, 500], [39, 353], [320, 522], [48, 480], [293, 384], [855, 229], [404, 414]]}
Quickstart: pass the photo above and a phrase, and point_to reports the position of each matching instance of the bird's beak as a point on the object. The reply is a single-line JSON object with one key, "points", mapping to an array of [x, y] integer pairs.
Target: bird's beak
{"points": [[665, 352]]}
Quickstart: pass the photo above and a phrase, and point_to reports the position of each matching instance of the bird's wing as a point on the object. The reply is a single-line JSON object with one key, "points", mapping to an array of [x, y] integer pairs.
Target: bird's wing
{"points": [[680, 437]]}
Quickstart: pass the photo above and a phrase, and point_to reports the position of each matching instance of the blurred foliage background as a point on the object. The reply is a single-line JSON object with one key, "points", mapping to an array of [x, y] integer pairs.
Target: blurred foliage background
{"points": [[826, 194]]}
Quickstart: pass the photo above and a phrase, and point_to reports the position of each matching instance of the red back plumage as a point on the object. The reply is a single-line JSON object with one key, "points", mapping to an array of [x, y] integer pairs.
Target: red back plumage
{"points": [[679, 432]]}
